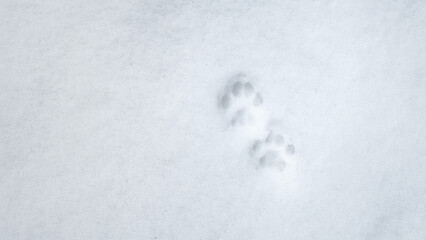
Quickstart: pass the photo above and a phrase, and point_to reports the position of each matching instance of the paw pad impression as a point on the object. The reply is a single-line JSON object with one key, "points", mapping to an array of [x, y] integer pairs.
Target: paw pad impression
{"points": [[272, 152], [240, 101]]}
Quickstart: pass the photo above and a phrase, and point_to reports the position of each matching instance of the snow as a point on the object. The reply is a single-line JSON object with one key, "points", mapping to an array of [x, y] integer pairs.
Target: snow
{"points": [[110, 127]]}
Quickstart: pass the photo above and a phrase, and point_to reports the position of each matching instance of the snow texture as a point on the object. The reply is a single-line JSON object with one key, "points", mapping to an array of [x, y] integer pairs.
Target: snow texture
{"points": [[213, 119]]}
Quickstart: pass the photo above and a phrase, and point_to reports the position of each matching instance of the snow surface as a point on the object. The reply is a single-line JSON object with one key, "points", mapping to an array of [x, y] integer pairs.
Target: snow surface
{"points": [[110, 128]]}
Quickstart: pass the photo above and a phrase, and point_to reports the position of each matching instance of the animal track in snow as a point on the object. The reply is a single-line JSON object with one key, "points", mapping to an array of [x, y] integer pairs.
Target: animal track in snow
{"points": [[243, 105], [272, 152], [243, 108]]}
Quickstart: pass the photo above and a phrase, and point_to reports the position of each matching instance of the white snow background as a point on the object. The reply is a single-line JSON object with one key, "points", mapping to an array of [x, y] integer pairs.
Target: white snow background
{"points": [[110, 129]]}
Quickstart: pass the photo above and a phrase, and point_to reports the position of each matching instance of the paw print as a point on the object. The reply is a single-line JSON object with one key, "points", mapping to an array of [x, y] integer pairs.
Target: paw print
{"points": [[272, 152], [241, 102]]}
